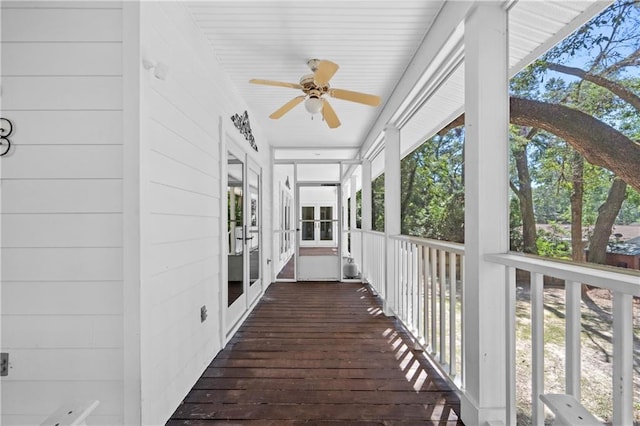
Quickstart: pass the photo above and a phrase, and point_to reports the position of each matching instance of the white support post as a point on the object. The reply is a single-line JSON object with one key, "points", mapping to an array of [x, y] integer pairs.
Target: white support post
{"points": [[391, 208], [486, 212]]}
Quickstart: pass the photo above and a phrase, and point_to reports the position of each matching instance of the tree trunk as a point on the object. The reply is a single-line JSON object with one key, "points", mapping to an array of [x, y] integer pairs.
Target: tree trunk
{"points": [[525, 196], [577, 181], [607, 214]]}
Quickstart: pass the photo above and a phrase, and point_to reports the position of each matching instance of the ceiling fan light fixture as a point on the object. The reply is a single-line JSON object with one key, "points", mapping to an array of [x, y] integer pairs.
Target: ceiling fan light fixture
{"points": [[313, 104]]}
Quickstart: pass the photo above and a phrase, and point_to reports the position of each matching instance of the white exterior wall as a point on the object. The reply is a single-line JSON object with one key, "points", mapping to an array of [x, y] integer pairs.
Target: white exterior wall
{"points": [[62, 209], [180, 205], [73, 228]]}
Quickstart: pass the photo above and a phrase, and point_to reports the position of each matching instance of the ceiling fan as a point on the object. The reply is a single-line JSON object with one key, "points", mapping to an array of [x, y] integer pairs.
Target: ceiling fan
{"points": [[314, 87]]}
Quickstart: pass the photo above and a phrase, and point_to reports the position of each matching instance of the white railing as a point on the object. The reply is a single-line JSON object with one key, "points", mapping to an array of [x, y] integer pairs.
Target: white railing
{"points": [[372, 261], [427, 295], [624, 287], [428, 292]]}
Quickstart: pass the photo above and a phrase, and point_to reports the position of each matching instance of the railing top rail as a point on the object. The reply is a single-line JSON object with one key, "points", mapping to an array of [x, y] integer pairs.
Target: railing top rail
{"points": [[377, 233], [438, 244], [627, 282]]}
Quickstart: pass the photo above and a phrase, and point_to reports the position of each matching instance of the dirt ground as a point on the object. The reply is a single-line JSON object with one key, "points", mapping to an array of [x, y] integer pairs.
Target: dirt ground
{"points": [[596, 351]]}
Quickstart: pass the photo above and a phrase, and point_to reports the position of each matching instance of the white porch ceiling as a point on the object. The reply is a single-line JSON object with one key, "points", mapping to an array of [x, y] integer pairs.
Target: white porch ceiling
{"points": [[374, 42]]}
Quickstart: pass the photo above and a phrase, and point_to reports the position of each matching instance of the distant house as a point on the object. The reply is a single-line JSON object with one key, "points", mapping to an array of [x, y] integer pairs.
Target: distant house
{"points": [[625, 254]]}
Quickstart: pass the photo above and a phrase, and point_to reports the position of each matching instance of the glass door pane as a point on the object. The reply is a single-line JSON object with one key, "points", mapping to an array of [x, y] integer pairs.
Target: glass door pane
{"points": [[235, 237], [285, 231], [326, 223], [254, 227], [308, 223]]}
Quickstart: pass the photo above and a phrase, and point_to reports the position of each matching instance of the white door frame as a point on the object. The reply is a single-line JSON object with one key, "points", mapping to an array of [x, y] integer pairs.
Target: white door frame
{"points": [[322, 265], [317, 241], [230, 317]]}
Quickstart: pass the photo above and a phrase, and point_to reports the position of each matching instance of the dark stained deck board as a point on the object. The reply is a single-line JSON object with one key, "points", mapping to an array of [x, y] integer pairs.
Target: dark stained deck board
{"points": [[321, 354]]}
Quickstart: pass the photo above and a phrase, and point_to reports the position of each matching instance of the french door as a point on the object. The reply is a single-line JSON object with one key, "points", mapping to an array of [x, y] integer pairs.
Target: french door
{"points": [[318, 250], [244, 238], [318, 225]]}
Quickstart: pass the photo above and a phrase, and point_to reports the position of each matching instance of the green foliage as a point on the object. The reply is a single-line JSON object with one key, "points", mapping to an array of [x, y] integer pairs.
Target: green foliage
{"points": [[432, 196], [377, 203], [516, 241], [554, 242], [608, 47]]}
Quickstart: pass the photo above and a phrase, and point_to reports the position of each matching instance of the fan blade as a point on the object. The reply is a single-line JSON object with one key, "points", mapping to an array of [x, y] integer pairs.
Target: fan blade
{"points": [[362, 98], [326, 70], [275, 83], [329, 114], [287, 107]]}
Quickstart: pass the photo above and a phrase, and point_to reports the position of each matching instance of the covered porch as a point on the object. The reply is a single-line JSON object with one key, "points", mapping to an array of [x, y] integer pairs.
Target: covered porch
{"points": [[149, 236]]}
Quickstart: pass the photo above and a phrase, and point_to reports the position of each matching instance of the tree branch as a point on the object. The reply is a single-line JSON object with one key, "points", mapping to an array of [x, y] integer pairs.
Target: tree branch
{"points": [[618, 89], [598, 142]]}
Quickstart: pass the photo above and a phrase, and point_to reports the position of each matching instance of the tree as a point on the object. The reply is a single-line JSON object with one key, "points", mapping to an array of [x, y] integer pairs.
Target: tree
{"points": [[432, 189], [523, 191], [377, 203], [606, 217]]}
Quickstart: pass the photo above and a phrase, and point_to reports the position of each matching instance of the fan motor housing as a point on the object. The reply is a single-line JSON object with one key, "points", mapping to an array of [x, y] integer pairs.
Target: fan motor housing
{"points": [[308, 85]]}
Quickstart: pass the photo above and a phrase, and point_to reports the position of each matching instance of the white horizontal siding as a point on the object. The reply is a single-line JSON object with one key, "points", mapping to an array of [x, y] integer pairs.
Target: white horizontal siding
{"points": [[48, 394], [61, 93], [37, 59], [62, 230], [68, 127], [56, 331], [61, 195], [62, 209], [181, 223], [64, 162], [40, 23], [62, 264], [95, 364], [31, 298]]}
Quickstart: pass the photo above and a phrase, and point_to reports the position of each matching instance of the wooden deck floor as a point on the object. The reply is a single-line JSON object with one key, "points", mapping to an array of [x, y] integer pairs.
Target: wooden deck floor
{"points": [[319, 353]]}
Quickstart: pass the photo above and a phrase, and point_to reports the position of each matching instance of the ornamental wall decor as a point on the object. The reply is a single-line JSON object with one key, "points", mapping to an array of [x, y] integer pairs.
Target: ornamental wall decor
{"points": [[242, 123], [6, 128]]}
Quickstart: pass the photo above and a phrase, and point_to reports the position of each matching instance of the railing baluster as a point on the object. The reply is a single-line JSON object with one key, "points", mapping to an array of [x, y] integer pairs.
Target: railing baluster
{"points": [[434, 299], [452, 313], [462, 319], [510, 294], [443, 306], [415, 271], [622, 359], [425, 272], [572, 338], [403, 267], [537, 347], [396, 274], [405, 291]]}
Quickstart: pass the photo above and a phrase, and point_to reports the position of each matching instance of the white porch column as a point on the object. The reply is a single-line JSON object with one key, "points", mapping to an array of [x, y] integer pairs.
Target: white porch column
{"points": [[392, 218], [486, 212], [366, 195]]}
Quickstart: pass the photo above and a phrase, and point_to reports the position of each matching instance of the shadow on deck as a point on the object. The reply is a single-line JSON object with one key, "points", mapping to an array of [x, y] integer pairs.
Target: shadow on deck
{"points": [[319, 353]]}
